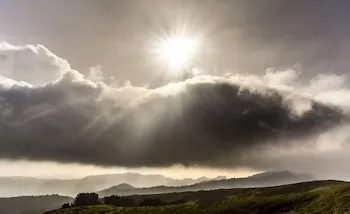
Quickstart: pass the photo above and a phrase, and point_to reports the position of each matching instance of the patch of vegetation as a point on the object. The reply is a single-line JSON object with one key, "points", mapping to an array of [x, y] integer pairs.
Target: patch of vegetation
{"points": [[84, 199], [309, 198], [120, 201]]}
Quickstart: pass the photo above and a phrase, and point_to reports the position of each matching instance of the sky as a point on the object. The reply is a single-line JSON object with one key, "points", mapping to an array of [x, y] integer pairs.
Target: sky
{"points": [[81, 88]]}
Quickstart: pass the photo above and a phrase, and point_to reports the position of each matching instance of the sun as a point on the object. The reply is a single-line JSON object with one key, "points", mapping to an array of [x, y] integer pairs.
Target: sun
{"points": [[177, 52]]}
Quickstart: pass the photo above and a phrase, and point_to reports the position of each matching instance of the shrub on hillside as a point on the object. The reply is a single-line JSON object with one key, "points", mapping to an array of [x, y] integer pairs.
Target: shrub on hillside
{"points": [[65, 206], [83, 199], [123, 201]]}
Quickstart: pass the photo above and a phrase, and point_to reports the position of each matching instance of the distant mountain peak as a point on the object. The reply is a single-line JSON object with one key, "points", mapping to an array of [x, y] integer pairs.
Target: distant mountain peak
{"points": [[123, 186], [272, 173], [282, 174], [220, 178]]}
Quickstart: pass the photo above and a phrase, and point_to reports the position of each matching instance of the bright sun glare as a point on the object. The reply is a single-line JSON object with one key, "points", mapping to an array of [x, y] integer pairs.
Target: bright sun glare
{"points": [[177, 51]]}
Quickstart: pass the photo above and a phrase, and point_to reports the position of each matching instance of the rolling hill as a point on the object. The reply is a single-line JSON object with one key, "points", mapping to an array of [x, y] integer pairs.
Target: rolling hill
{"points": [[307, 197]]}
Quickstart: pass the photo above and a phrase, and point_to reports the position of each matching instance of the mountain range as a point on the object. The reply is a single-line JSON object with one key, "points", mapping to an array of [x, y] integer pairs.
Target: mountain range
{"points": [[19, 186], [265, 179]]}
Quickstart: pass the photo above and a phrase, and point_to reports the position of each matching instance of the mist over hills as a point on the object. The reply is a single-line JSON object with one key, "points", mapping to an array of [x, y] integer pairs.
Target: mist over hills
{"points": [[135, 183], [18, 186], [265, 179]]}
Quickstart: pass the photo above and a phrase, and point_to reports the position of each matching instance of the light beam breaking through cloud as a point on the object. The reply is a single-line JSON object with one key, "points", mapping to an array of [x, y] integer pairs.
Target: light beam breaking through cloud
{"points": [[50, 112]]}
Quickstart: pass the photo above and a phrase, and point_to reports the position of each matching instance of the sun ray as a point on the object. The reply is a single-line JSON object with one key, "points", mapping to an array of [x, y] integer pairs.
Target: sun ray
{"points": [[177, 52]]}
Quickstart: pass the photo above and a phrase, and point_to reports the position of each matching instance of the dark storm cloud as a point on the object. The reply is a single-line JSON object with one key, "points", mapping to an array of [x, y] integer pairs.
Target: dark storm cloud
{"points": [[206, 121]]}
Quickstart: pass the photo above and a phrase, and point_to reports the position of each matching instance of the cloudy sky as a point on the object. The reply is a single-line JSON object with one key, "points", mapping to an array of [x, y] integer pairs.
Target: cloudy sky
{"points": [[82, 92]]}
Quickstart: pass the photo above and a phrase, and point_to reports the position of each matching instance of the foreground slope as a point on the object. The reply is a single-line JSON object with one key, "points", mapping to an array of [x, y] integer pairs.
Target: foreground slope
{"points": [[309, 197]]}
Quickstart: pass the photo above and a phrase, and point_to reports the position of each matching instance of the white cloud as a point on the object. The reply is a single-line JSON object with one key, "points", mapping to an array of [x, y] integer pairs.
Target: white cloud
{"points": [[35, 65]]}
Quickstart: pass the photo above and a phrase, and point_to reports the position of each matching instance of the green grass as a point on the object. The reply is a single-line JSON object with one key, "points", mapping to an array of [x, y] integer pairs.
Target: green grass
{"points": [[324, 197]]}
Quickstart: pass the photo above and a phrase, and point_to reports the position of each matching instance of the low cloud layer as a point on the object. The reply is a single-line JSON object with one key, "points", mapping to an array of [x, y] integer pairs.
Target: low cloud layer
{"points": [[206, 120]]}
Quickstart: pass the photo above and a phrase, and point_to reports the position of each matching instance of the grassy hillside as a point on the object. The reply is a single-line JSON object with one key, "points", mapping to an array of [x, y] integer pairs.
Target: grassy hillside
{"points": [[310, 197]]}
